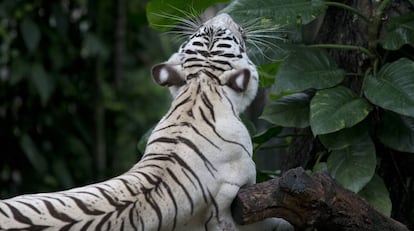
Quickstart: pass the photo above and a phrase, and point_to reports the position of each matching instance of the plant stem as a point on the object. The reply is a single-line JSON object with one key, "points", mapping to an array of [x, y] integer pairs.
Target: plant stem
{"points": [[349, 8], [319, 157], [381, 8], [375, 27], [345, 47]]}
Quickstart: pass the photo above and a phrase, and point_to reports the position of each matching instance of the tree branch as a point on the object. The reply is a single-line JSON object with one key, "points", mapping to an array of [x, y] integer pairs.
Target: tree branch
{"points": [[309, 201]]}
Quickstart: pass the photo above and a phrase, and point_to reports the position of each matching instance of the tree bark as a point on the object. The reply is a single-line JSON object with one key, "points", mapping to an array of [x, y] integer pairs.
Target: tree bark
{"points": [[309, 201]]}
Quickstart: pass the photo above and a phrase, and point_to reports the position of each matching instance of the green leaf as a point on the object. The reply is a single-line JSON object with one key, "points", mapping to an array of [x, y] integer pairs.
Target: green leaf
{"points": [[267, 73], [30, 33], [266, 52], [162, 15], [43, 82], [336, 108], [307, 68], [397, 132], [248, 123], [393, 87], [344, 137], [288, 111], [32, 153], [377, 195], [400, 31], [282, 12], [320, 167], [61, 171], [93, 46], [353, 166], [266, 135], [20, 68]]}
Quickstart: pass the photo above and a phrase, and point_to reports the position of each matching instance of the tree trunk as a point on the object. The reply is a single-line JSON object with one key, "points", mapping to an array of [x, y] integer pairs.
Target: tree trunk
{"points": [[309, 201]]}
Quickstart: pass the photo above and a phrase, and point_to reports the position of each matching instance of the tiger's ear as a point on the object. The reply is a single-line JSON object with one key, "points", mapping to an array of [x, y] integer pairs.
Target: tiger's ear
{"points": [[239, 80], [165, 75]]}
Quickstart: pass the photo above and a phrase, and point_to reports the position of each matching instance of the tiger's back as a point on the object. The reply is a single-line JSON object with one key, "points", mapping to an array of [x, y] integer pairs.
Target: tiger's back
{"points": [[199, 163]]}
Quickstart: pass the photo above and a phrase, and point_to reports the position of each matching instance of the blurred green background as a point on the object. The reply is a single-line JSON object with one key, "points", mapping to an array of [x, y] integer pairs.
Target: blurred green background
{"points": [[75, 91]]}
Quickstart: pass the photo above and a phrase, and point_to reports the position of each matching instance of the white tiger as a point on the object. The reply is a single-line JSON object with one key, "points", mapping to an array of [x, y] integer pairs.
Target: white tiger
{"points": [[196, 160]]}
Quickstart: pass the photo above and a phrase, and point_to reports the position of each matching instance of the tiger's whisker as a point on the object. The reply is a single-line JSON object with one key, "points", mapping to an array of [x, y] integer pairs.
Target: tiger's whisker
{"points": [[190, 24]]}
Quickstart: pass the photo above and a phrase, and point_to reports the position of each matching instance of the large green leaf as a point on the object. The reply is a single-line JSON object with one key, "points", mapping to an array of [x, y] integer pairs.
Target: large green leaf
{"points": [[393, 87], [397, 131], [266, 135], [163, 14], [353, 166], [43, 82], [266, 52], [267, 73], [400, 31], [61, 172], [377, 195], [32, 154], [307, 68], [282, 12], [288, 111], [336, 108], [30, 33], [344, 137]]}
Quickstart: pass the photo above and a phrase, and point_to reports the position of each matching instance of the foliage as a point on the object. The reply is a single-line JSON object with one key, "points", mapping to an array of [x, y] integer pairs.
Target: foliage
{"points": [[59, 92], [307, 68], [307, 88]]}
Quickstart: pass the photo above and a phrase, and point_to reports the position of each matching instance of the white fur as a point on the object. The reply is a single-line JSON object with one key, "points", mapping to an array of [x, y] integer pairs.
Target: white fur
{"points": [[240, 80], [163, 75]]}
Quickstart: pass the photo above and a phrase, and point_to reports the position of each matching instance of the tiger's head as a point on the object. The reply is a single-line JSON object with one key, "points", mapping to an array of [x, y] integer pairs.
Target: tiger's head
{"points": [[216, 50]]}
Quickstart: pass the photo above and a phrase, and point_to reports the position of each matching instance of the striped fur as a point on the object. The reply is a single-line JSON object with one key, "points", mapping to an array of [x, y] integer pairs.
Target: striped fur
{"points": [[197, 157]]}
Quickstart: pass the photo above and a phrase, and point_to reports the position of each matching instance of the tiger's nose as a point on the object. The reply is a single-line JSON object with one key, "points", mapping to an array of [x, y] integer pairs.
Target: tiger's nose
{"points": [[221, 19], [224, 21]]}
